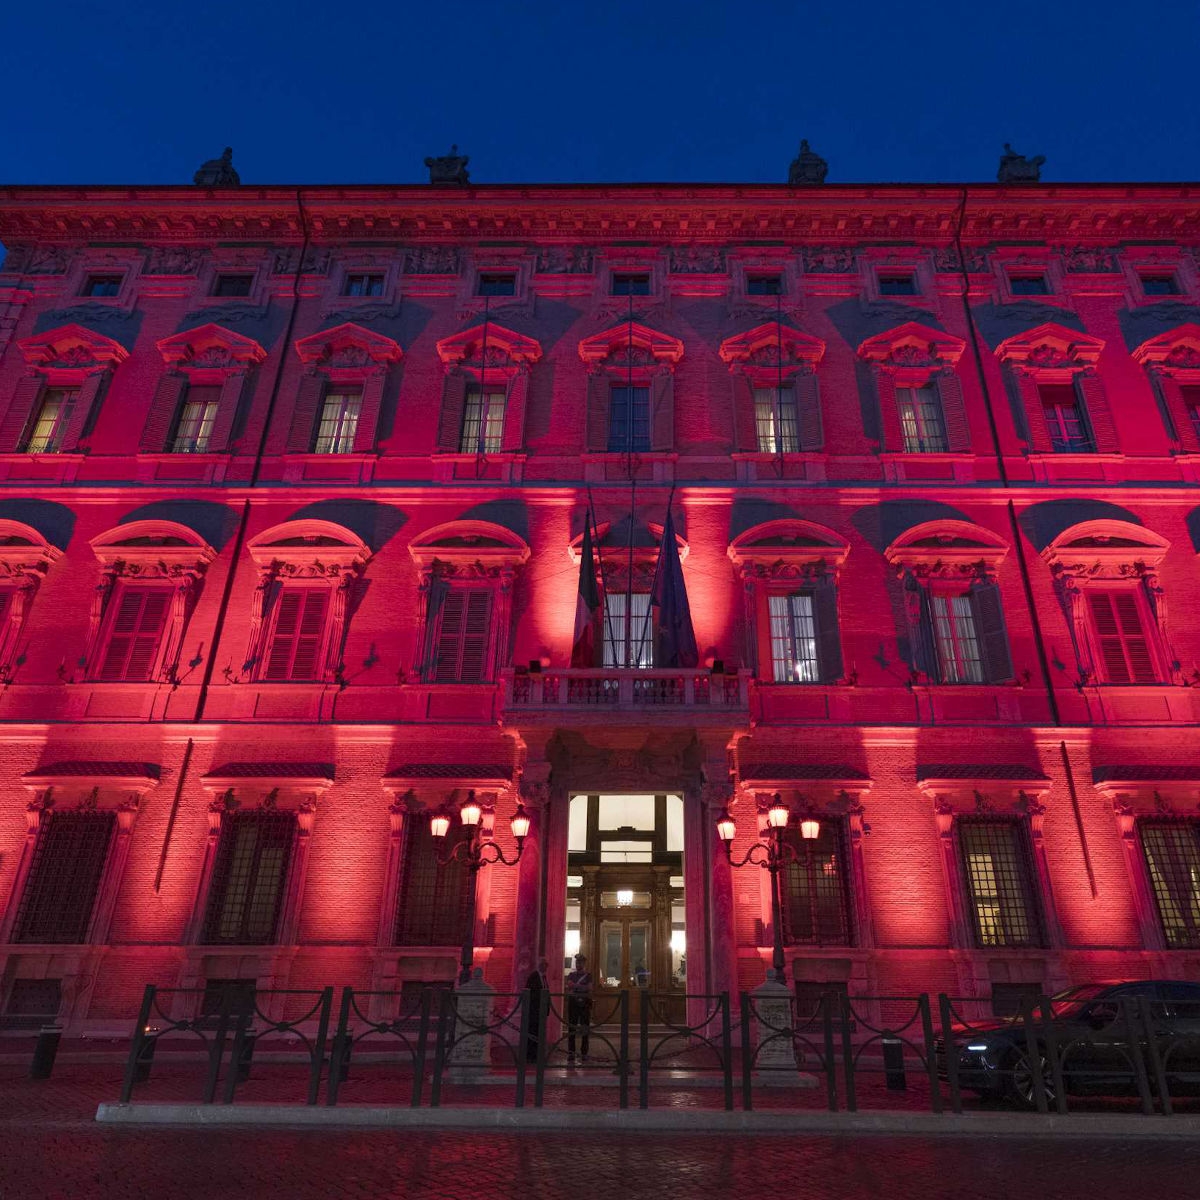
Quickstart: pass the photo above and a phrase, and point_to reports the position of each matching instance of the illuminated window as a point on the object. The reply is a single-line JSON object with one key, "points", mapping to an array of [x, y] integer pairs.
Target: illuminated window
{"points": [[103, 285], [463, 626], [249, 877], [816, 891], [196, 420], [339, 421], [483, 421], [775, 420], [629, 419], [499, 283], [1121, 638], [363, 285], [1029, 284], [1172, 851], [957, 644], [1065, 419], [764, 285], [921, 419], [137, 621], [625, 283], [50, 425], [297, 634], [1160, 283], [628, 636], [233, 285], [893, 283], [794, 657], [998, 879]]}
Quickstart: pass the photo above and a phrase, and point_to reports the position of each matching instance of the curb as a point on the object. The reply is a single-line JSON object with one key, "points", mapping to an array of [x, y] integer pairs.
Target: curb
{"points": [[1098, 1125]]}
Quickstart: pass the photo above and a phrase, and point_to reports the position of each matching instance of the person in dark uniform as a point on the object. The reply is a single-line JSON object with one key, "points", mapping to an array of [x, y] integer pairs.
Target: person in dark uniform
{"points": [[537, 985], [579, 1008]]}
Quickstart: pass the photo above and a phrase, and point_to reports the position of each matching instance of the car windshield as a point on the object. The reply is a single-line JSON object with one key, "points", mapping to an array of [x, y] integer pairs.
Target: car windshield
{"points": [[1067, 1003]]}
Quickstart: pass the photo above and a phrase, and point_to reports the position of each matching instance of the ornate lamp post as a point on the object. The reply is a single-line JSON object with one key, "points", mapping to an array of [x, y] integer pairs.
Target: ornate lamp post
{"points": [[476, 851], [773, 854]]}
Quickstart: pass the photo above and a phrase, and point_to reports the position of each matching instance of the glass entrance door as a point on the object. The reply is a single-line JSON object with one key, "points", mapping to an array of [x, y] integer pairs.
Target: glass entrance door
{"points": [[626, 954]]}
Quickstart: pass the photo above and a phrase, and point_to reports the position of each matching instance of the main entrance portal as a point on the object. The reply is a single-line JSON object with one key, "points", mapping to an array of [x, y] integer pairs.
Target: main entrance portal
{"points": [[625, 903]]}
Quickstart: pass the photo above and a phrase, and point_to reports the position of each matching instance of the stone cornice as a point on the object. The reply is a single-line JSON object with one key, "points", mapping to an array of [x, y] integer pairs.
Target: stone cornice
{"points": [[656, 213]]}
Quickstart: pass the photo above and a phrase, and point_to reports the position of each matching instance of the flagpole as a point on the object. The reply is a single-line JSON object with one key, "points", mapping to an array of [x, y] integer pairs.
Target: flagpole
{"points": [[632, 479], [606, 619], [657, 571]]}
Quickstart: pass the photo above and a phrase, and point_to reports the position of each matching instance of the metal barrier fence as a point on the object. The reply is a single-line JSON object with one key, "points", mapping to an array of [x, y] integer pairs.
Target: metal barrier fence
{"points": [[861, 1051]]}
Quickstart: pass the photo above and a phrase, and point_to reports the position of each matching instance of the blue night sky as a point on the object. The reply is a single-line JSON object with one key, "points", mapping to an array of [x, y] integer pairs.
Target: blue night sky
{"points": [[138, 91]]}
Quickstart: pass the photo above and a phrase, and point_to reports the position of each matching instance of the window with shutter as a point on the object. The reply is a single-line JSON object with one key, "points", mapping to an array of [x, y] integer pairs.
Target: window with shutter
{"points": [[298, 636], [464, 630], [794, 654], [1190, 394], [1065, 419], [483, 421], [249, 877], [1121, 638], [959, 659], [135, 634], [49, 427], [193, 432], [339, 421], [775, 420], [921, 420]]}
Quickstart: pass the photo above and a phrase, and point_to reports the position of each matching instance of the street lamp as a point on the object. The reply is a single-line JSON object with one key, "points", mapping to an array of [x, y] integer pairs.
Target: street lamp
{"points": [[773, 854], [476, 851]]}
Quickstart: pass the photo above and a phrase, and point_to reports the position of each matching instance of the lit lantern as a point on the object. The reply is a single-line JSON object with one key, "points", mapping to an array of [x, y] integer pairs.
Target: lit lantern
{"points": [[439, 824], [810, 829], [520, 823], [471, 812], [726, 827], [778, 814]]}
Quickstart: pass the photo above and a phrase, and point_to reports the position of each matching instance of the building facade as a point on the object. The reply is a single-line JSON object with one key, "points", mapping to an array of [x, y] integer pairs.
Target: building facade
{"points": [[293, 487]]}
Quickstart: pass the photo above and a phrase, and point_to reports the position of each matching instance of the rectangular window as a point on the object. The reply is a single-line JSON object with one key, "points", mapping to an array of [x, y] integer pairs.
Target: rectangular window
{"points": [[764, 285], [959, 659], [1124, 649], [196, 420], [1172, 850], [898, 284], [298, 635], [1065, 421], [33, 1003], [1190, 394], [431, 901], [64, 877], [339, 422], [103, 285], [998, 878], [775, 420], [497, 283], [483, 421], [1160, 283], [626, 283], [794, 657], [50, 425], [249, 877], [463, 631], [921, 419], [629, 420], [363, 285], [1032, 284], [816, 891], [628, 636], [138, 620], [232, 285]]}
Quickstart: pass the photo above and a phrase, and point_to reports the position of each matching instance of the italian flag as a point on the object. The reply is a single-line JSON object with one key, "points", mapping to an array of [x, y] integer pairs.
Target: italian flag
{"points": [[587, 607]]}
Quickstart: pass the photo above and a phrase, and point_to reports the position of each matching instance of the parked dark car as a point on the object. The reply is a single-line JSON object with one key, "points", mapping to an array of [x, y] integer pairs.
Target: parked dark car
{"points": [[1104, 1035]]}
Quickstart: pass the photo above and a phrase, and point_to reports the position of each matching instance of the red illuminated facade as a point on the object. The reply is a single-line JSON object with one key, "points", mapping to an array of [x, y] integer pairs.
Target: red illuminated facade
{"points": [[293, 484]]}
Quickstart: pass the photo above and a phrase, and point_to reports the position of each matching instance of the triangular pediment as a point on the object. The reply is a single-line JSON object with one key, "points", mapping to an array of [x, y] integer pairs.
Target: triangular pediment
{"points": [[763, 345], [502, 345], [1051, 345], [210, 345], [348, 345], [629, 340], [1178, 348], [912, 345], [71, 346]]}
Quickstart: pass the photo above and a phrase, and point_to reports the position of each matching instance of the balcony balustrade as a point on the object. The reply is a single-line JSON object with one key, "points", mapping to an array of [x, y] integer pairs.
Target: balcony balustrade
{"points": [[621, 690]]}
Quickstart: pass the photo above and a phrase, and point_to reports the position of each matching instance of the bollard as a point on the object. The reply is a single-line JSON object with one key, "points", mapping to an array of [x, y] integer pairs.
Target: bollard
{"points": [[45, 1051], [145, 1060], [893, 1064], [246, 1057]]}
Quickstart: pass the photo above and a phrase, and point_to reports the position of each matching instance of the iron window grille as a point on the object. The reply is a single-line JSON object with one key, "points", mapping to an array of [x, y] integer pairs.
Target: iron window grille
{"points": [[297, 635], [628, 640], [249, 877], [103, 285], [233, 285], [1172, 852], [483, 421], [1066, 420], [782, 436], [794, 646], [998, 880], [64, 877], [363, 285], [958, 650], [629, 419], [816, 889], [1121, 637], [463, 629], [135, 634], [431, 899], [338, 423], [50, 425], [921, 420], [197, 417], [630, 284]]}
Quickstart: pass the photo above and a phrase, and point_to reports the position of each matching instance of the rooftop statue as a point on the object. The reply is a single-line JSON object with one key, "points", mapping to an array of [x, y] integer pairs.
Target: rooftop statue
{"points": [[807, 166], [1016, 168], [218, 172], [449, 168]]}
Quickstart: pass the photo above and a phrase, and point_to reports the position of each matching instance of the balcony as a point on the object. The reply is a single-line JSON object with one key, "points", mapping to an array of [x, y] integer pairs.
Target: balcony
{"points": [[648, 693]]}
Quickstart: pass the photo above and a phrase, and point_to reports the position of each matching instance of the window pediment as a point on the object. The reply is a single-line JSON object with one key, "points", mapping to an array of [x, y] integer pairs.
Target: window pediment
{"points": [[788, 548], [1106, 550], [23, 551], [71, 350], [505, 349], [912, 346], [631, 344], [309, 548], [770, 345], [468, 547], [348, 348], [153, 548], [1051, 347], [947, 548], [210, 347], [1176, 351]]}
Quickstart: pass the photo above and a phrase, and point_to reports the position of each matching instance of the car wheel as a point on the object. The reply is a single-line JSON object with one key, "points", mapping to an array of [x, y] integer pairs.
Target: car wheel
{"points": [[1019, 1084]]}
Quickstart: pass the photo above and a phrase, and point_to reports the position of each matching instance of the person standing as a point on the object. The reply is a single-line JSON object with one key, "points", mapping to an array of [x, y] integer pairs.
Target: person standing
{"points": [[579, 1008], [537, 985]]}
